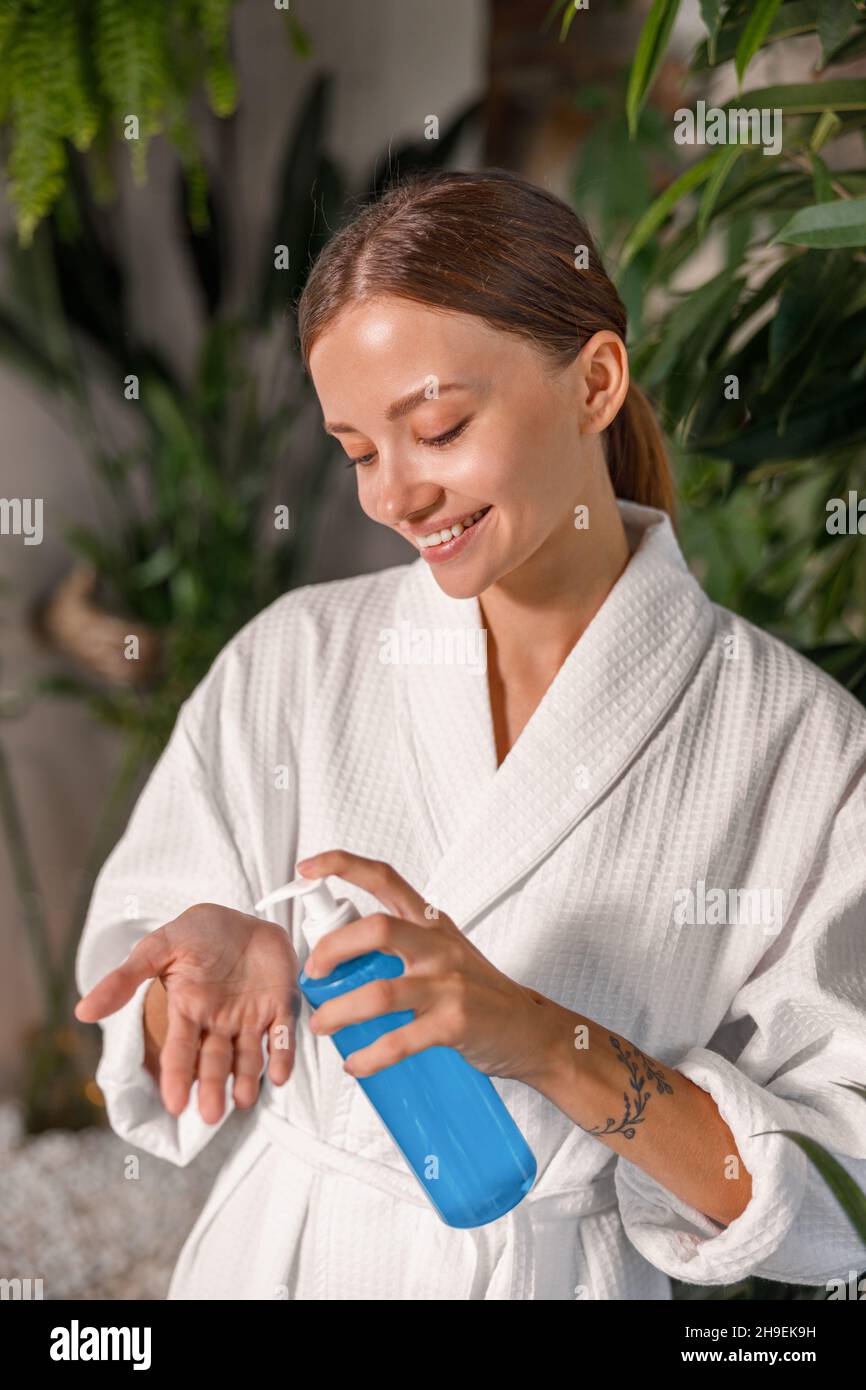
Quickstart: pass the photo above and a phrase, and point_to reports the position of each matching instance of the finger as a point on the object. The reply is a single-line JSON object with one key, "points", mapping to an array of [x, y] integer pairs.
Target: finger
{"points": [[378, 932], [177, 1060], [373, 875], [373, 1000], [247, 1067], [392, 1047], [148, 958], [281, 1048], [215, 1058]]}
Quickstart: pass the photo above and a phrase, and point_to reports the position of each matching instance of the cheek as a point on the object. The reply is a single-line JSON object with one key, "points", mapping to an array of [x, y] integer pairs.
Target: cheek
{"points": [[514, 452], [518, 476], [493, 468]]}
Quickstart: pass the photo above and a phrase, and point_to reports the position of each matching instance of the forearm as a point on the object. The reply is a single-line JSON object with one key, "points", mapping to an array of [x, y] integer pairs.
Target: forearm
{"points": [[650, 1113], [155, 1026]]}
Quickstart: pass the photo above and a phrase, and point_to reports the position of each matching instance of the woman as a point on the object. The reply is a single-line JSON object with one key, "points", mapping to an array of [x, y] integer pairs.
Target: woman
{"points": [[614, 832]]}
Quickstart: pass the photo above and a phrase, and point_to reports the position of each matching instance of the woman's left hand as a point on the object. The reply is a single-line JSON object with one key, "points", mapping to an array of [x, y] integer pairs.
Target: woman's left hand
{"points": [[459, 999]]}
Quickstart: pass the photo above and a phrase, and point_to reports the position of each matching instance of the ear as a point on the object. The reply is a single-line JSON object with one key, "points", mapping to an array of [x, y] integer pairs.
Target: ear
{"points": [[603, 365]]}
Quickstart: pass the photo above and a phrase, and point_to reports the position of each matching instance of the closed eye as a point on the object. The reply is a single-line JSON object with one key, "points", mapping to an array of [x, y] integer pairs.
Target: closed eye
{"points": [[437, 443]]}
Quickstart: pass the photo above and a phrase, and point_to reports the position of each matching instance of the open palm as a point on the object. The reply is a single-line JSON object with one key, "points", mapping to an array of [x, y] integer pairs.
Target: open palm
{"points": [[229, 979]]}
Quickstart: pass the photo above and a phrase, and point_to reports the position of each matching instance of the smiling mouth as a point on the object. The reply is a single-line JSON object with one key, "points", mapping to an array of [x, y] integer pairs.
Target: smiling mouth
{"points": [[451, 533], [441, 551]]}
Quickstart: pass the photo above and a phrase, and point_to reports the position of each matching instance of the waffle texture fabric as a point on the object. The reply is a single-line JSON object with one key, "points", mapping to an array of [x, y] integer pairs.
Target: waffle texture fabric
{"points": [[679, 750]]}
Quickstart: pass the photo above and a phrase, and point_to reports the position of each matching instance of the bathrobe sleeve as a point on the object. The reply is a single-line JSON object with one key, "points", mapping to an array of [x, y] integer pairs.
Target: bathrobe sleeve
{"points": [[178, 849], [803, 1011]]}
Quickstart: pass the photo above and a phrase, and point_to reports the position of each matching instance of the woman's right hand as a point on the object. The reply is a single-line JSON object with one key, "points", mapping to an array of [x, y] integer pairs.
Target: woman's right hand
{"points": [[229, 978]]}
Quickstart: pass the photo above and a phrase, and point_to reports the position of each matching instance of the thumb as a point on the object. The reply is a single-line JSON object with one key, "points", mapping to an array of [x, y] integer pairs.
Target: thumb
{"points": [[147, 959]]}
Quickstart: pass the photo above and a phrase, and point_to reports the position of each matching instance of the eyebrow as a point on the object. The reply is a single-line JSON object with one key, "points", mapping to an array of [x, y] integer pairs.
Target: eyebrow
{"points": [[406, 404]]}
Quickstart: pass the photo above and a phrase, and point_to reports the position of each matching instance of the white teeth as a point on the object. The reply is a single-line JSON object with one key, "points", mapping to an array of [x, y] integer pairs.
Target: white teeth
{"points": [[451, 532]]}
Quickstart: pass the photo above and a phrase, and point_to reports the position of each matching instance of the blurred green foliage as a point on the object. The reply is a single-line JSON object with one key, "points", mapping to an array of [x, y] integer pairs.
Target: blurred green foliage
{"points": [[77, 70], [754, 351]]}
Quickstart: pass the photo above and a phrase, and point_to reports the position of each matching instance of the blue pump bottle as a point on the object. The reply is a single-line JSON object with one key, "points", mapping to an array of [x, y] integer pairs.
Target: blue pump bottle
{"points": [[446, 1117]]}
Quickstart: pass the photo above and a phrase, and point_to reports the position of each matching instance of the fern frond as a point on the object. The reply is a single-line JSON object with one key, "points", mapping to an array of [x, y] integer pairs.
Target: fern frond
{"points": [[76, 111], [78, 70], [215, 17], [131, 59], [37, 162]]}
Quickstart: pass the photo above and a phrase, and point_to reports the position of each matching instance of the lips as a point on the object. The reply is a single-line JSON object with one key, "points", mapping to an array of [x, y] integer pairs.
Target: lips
{"points": [[439, 552], [449, 533]]}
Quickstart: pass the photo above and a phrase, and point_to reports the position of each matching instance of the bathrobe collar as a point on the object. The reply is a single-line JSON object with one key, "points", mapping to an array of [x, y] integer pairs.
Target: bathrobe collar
{"points": [[484, 828]]}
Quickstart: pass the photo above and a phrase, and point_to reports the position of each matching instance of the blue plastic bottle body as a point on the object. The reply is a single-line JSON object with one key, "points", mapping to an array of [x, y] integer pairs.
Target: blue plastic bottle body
{"points": [[445, 1116]]}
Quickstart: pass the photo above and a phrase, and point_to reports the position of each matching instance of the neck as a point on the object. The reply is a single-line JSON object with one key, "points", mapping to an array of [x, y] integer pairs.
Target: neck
{"points": [[536, 614]]}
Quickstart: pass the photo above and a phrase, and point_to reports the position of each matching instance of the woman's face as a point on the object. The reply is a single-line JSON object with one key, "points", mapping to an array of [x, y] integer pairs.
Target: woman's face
{"points": [[446, 417]]}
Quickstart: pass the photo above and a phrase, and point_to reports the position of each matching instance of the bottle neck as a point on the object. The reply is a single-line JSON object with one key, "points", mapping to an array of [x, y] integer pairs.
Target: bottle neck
{"points": [[314, 928]]}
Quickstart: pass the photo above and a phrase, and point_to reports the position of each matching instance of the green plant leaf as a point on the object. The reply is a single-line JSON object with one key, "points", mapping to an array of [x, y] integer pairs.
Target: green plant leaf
{"points": [[661, 209], [849, 1196], [691, 319], [567, 20], [821, 179], [552, 12], [26, 352], [805, 98], [838, 417], [852, 48], [155, 569], [807, 306], [825, 225], [826, 127], [299, 37], [714, 186], [760, 18], [649, 56], [795, 17], [836, 19], [712, 14]]}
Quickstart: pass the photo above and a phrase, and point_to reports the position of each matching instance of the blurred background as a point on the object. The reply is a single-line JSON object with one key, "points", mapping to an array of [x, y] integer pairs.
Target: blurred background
{"points": [[166, 174]]}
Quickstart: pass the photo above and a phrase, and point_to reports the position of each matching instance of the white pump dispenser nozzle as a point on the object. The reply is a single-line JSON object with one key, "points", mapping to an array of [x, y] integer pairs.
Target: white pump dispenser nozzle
{"points": [[320, 900], [322, 911]]}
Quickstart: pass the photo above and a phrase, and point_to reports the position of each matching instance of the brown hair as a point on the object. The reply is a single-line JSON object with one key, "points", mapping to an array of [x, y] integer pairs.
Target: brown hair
{"points": [[490, 243]]}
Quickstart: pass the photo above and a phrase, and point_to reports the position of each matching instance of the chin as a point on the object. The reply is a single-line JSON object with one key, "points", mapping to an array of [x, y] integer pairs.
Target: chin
{"points": [[466, 585], [455, 588]]}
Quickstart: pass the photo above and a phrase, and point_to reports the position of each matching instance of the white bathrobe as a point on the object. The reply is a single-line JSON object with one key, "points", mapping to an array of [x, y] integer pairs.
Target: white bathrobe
{"points": [[678, 751]]}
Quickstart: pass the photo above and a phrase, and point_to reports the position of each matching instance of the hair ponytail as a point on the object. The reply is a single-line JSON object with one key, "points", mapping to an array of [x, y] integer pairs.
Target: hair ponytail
{"points": [[490, 243], [637, 458]]}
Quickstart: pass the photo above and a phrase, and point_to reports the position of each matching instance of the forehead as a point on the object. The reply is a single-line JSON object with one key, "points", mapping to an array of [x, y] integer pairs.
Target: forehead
{"points": [[378, 350], [388, 324]]}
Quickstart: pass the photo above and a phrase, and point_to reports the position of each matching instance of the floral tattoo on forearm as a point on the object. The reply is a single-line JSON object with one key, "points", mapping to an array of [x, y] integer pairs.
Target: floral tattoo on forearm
{"points": [[641, 1072]]}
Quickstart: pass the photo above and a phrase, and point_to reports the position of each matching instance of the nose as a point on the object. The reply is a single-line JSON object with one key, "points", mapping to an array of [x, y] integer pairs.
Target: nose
{"points": [[402, 492]]}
